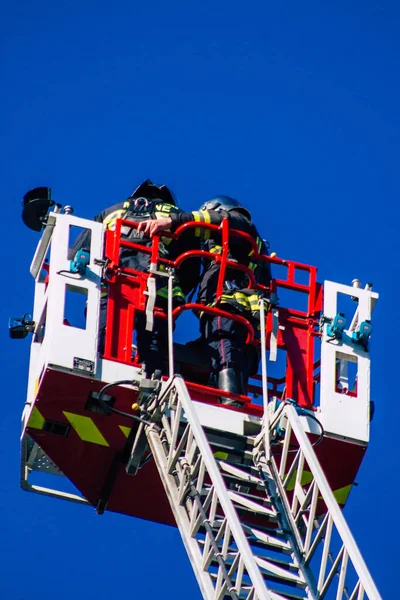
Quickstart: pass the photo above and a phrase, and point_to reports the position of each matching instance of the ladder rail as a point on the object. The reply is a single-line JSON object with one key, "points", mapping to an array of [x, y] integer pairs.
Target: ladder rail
{"points": [[181, 457], [304, 503]]}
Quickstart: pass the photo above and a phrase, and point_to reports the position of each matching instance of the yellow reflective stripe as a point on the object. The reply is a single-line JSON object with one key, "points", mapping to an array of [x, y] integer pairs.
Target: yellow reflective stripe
{"points": [[236, 297], [253, 300], [36, 420], [125, 430], [109, 221], [159, 214], [252, 266], [165, 208], [259, 243], [162, 215], [198, 218], [176, 292], [216, 250], [207, 219], [86, 429]]}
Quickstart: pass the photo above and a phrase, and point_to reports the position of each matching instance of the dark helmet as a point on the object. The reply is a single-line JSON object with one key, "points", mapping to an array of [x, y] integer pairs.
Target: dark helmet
{"points": [[149, 190], [225, 203]]}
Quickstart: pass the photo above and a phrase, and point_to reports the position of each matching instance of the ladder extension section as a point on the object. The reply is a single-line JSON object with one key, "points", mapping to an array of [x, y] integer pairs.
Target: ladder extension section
{"points": [[323, 536], [252, 528]]}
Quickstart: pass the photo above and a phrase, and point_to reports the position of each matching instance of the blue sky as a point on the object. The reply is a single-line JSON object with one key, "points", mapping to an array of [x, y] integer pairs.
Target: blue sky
{"points": [[291, 108]]}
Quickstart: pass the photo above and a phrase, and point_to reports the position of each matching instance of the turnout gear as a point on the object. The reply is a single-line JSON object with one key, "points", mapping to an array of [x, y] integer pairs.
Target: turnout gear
{"points": [[149, 201], [232, 360]]}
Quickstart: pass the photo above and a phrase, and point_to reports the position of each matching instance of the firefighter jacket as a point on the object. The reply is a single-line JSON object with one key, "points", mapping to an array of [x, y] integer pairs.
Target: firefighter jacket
{"points": [[237, 295], [139, 209]]}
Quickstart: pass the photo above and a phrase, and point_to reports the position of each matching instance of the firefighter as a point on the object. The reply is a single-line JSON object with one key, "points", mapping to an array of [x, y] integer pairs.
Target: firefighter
{"points": [[233, 361], [148, 201]]}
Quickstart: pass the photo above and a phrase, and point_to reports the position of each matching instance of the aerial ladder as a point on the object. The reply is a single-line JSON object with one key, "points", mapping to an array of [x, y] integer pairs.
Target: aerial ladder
{"points": [[255, 488]]}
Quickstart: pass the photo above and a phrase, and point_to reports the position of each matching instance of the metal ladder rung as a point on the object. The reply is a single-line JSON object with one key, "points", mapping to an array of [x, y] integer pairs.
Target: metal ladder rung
{"points": [[268, 539], [247, 495], [289, 566], [268, 568], [251, 506], [258, 538], [238, 473], [275, 595]]}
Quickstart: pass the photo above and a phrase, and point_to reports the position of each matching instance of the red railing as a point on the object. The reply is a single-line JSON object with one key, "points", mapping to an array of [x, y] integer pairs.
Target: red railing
{"points": [[297, 329]]}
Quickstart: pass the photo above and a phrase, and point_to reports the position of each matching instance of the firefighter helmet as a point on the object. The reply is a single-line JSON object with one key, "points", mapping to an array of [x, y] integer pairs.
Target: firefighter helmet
{"points": [[149, 190], [225, 203]]}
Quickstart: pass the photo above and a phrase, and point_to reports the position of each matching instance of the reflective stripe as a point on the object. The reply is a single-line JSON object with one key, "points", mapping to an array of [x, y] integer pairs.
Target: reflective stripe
{"points": [[216, 249], [165, 208], [259, 243], [207, 219], [202, 216], [176, 292], [248, 302], [197, 217], [163, 215], [86, 429], [36, 420], [110, 220]]}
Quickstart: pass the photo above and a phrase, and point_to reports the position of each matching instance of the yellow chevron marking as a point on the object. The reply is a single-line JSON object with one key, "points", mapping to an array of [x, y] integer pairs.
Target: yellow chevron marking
{"points": [[305, 478], [86, 429], [36, 420], [221, 455], [342, 494], [125, 430]]}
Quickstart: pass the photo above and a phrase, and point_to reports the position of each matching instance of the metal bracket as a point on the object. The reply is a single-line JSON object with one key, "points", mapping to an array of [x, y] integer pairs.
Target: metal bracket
{"points": [[148, 396], [273, 344]]}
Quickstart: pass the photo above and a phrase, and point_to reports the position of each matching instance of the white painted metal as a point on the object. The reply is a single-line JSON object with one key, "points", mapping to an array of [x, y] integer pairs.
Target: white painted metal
{"points": [[151, 300], [264, 378], [232, 556], [33, 459], [342, 414], [183, 456], [54, 342], [332, 538], [171, 368]]}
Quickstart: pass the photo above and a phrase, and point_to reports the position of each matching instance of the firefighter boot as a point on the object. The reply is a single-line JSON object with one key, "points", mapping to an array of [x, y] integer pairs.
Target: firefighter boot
{"points": [[228, 381]]}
